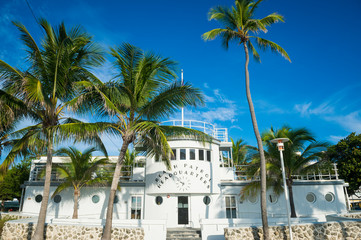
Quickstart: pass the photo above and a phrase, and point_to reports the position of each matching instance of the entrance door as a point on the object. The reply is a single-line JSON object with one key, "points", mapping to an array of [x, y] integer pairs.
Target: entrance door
{"points": [[182, 210]]}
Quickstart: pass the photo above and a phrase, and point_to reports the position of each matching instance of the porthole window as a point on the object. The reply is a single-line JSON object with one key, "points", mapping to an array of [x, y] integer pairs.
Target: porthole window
{"points": [[330, 197], [38, 198], [116, 199], [311, 197], [253, 199], [207, 200], [159, 200], [95, 199], [57, 199], [272, 198]]}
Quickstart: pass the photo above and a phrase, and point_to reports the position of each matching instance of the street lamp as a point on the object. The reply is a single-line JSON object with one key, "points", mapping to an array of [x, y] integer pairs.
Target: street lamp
{"points": [[281, 147]]}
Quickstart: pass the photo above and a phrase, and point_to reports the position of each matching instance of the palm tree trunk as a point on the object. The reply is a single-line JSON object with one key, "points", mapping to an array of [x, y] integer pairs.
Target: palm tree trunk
{"points": [[113, 189], [260, 147], [292, 203], [76, 197], [39, 232]]}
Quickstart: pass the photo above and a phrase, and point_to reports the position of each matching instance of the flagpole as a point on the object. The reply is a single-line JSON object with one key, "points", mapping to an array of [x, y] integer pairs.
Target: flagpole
{"points": [[182, 107]]}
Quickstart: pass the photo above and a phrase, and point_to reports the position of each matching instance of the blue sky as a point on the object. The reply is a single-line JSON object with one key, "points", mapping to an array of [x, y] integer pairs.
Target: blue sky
{"points": [[319, 90]]}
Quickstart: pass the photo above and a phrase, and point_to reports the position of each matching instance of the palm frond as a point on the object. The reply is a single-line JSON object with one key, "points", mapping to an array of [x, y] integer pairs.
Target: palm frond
{"points": [[264, 44]]}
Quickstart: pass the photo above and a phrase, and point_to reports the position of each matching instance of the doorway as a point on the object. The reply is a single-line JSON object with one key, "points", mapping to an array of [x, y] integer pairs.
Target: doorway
{"points": [[183, 210]]}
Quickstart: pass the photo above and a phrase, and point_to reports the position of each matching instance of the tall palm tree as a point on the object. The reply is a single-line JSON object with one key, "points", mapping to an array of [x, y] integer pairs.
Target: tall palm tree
{"points": [[55, 68], [141, 94], [240, 25], [79, 172]]}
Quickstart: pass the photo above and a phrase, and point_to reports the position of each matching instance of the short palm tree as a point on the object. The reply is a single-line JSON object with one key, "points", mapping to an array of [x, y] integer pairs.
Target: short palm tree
{"points": [[55, 68], [129, 160], [239, 25], [239, 151], [141, 94], [301, 154], [79, 172], [239, 154]]}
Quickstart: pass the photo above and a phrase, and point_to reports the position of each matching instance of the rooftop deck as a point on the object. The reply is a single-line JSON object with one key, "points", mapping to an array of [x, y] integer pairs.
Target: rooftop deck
{"points": [[220, 134]]}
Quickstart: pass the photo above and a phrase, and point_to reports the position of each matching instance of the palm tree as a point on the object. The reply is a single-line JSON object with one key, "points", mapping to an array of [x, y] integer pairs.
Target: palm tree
{"points": [[239, 151], [302, 153], [79, 172], [238, 23], [55, 69], [129, 160], [141, 94], [11, 112]]}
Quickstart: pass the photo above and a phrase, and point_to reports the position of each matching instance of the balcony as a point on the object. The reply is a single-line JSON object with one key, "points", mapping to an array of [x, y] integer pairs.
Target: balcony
{"points": [[220, 134]]}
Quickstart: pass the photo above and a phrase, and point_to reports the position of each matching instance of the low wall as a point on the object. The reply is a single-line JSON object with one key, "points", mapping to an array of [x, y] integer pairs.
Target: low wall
{"points": [[23, 230], [153, 229], [14, 215], [346, 230], [352, 215], [213, 229]]}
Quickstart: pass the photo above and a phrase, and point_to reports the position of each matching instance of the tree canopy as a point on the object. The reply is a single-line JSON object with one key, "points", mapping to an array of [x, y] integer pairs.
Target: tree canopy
{"points": [[347, 154], [17, 175]]}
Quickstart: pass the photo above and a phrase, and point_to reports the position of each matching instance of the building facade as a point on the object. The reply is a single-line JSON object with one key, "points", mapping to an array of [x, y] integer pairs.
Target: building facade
{"points": [[201, 190]]}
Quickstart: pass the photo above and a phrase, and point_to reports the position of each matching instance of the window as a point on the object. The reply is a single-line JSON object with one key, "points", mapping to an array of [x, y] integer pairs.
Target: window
{"points": [[57, 199], [159, 200], [231, 208], [136, 207], [174, 156], [208, 156], [330, 197], [38, 198], [95, 199], [207, 200], [311, 197], [116, 199], [192, 154], [182, 154], [201, 155], [252, 199], [272, 198]]}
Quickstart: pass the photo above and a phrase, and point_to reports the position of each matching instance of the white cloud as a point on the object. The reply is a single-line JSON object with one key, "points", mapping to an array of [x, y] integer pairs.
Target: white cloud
{"points": [[303, 108], [236, 127], [322, 109], [351, 121], [220, 114], [208, 98], [205, 85], [268, 107], [336, 138], [221, 97]]}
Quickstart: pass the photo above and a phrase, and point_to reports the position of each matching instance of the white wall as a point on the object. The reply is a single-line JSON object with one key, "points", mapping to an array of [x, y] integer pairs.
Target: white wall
{"points": [[86, 208]]}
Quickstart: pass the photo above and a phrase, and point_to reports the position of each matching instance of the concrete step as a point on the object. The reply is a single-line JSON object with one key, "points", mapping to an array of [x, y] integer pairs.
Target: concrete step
{"points": [[183, 234]]}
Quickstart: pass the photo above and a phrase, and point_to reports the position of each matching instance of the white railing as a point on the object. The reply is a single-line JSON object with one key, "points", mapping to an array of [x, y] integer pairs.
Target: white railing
{"points": [[240, 173], [218, 133], [128, 173]]}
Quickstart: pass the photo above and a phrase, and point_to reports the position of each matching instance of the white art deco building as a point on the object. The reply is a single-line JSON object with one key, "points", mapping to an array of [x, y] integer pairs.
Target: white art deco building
{"points": [[202, 190]]}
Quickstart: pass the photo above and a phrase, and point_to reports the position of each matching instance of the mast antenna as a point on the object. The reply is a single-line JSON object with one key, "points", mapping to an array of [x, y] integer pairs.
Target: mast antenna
{"points": [[182, 107]]}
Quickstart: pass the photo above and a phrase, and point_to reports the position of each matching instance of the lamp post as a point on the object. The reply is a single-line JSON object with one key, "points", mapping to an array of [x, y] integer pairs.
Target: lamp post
{"points": [[281, 147]]}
